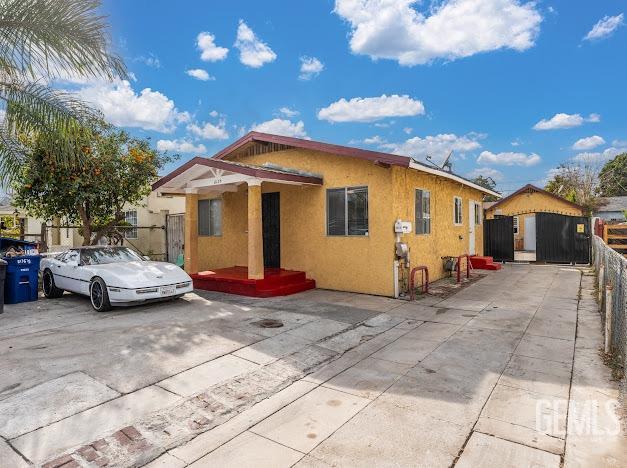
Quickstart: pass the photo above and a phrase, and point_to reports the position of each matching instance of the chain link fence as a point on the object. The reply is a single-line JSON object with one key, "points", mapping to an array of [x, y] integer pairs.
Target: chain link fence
{"points": [[614, 274]]}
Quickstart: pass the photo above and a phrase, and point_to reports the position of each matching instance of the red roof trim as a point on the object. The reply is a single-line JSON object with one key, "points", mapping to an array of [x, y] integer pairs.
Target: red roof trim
{"points": [[259, 172], [537, 189], [385, 158]]}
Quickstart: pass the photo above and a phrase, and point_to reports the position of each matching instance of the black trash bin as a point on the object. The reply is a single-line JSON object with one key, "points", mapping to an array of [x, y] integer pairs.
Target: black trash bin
{"points": [[3, 274]]}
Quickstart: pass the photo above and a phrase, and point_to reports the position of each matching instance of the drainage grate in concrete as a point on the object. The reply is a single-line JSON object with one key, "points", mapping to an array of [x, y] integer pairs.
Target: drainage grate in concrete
{"points": [[268, 323]]}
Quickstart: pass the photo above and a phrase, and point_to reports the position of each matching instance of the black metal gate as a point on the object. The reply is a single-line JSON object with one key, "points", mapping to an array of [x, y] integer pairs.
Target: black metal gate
{"points": [[562, 239], [498, 238]]}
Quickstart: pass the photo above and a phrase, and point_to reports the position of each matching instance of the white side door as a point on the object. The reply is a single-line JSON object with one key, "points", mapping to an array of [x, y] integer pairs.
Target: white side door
{"points": [[530, 233], [471, 228]]}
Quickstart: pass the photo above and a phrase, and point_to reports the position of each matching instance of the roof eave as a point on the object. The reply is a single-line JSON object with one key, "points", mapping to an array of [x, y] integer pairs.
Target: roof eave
{"points": [[455, 177]]}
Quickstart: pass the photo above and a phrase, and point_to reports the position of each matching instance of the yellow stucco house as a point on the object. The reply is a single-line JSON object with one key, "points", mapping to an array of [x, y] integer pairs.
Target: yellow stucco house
{"points": [[523, 205], [268, 206]]}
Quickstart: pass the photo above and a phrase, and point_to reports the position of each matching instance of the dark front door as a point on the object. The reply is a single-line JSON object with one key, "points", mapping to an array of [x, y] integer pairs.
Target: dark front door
{"points": [[270, 212], [562, 239], [498, 238]]}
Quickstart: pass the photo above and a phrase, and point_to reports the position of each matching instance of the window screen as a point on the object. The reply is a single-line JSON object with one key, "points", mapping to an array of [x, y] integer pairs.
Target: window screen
{"points": [[477, 213], [210, 217], [423, 212], [347, 211]]}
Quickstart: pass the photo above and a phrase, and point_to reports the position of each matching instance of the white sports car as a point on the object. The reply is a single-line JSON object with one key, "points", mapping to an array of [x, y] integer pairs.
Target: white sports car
{"points": [[112, 276]]}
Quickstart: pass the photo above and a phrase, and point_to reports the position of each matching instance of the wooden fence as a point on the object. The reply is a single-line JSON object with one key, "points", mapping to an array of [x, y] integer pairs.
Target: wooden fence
{"points": [[615, 236]]}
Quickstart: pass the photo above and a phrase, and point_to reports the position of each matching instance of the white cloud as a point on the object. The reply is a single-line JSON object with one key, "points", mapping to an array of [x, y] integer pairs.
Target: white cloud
{"points": [[408, 130], [252, 51], [604, 27], [287, 112], [209, 51], [149, 60], [600, 156], [214, 113], [375, 140], [436, 146], [562, 120], [150, 110], [508, 158], [209, 131], [199, 74], [395, 29], [495, 174], [282, 127], [588, 143], [310, 67], [180, 146], [371, 109]]}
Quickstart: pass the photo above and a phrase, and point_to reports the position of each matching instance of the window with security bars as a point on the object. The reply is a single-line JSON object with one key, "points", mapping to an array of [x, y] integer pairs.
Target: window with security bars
{"points": [[210, 217], [130, 217], [477, 213], [347, 211], [423, 211]]}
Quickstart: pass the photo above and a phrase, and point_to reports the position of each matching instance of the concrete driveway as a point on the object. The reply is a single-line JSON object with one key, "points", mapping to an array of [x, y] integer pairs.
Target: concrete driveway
{"points": [[502, 373]]}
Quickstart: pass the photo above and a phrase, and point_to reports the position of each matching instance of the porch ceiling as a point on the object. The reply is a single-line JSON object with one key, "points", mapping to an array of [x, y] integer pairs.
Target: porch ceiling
{"points": [[202, 175]]}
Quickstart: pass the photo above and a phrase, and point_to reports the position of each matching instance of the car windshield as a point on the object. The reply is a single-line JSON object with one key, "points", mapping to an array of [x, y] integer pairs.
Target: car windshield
{"points": [[103, 255]]}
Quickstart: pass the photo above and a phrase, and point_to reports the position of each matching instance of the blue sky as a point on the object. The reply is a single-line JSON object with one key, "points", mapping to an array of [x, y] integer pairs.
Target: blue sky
{"points": [[415, 78]]}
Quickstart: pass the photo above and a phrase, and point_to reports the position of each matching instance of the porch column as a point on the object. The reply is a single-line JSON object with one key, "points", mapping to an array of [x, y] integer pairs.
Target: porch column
{"points": [[191, 232], [255, 231]]}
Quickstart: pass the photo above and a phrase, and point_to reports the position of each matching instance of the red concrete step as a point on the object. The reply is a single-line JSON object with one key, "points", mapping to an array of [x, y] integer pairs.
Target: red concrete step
{"points": [[234, 280], [484, 263]]}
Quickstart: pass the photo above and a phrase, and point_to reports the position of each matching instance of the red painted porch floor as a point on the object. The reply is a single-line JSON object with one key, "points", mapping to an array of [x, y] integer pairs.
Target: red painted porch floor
{"points": [[234, 280]]}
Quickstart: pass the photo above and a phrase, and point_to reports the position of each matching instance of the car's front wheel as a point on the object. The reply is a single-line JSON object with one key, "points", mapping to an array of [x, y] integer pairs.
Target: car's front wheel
{"points": [[99, 295], [50, 288]]}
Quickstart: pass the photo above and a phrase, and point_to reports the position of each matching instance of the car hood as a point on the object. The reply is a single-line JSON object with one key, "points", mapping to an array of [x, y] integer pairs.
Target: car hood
{"points": [[140, 274]]}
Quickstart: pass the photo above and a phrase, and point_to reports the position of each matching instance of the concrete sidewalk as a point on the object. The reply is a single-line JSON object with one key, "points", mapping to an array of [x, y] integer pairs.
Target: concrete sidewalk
{"points": [[506, 372]]}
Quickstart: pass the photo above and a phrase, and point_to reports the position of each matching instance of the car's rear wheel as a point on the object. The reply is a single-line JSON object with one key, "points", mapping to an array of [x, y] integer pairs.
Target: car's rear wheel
{"points": [[99, 295], [50, 288]]}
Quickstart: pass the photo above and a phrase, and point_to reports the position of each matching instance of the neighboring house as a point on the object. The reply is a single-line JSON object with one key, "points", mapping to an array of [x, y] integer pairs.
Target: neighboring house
{"points": [[612, 209], [269, 201], [16, 223], [523, 205], [149, 237]]}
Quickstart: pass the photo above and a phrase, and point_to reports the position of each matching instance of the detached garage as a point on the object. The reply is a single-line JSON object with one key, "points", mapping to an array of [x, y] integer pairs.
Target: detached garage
{"points": [[532, 224]]}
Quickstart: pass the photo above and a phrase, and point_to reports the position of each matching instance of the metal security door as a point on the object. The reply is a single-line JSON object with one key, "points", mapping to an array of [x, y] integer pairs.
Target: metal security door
{"points": [[175, 236], [498, 238], [271, 220]]}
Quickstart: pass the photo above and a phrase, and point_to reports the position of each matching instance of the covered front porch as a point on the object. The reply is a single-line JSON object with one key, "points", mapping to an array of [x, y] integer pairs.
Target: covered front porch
{"points": [[262, 275]]}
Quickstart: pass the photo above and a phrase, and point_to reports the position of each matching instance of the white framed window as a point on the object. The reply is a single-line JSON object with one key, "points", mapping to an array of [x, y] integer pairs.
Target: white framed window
{"points": [[131, 218], [423, 211], [477, 213], [515, 224], [457, 211], [210, 217], [347, 211]]}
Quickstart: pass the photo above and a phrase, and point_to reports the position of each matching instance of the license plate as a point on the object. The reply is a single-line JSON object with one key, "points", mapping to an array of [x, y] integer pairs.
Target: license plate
{"points": [[167, 290]]}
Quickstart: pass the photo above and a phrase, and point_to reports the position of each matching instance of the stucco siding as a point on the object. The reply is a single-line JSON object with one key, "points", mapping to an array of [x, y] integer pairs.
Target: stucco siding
{"points": [[349, 263], [534, 202], [445, 238]]}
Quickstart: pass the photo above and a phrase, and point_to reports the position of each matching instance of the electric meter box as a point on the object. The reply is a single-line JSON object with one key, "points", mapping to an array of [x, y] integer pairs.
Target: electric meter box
{"points": [[402, 227]]}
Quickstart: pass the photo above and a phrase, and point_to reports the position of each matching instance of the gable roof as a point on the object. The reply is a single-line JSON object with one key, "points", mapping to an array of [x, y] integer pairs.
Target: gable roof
{"points": [[612, 204], [284, 142], [533, 188]]}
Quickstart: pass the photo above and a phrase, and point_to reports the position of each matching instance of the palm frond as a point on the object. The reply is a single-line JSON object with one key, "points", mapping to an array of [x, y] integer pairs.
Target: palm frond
{"points": [[12, 156], [56, 38], [61, 122]]}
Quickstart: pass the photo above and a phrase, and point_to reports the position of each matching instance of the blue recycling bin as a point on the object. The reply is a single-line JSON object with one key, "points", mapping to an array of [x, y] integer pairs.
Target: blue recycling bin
{"points": [[22, 272], [22, 279]]}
